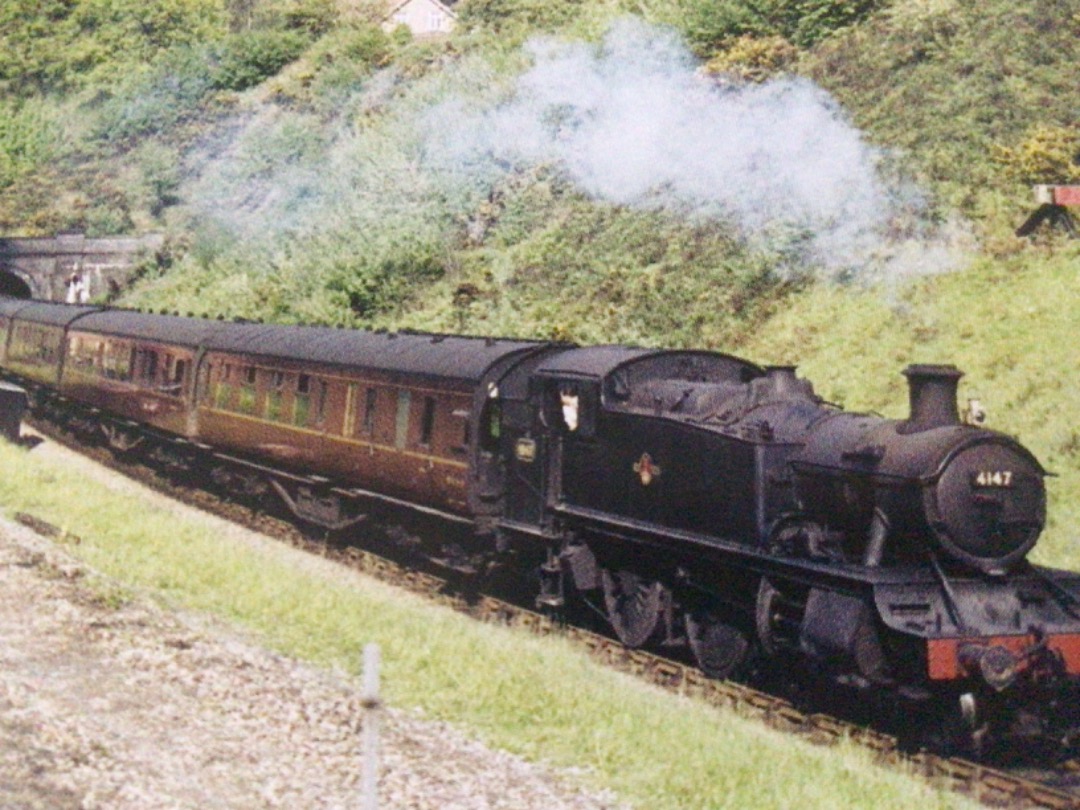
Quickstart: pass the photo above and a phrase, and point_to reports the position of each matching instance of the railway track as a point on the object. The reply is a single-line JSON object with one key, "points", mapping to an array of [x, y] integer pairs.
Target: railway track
{"points": [[988, 785]]}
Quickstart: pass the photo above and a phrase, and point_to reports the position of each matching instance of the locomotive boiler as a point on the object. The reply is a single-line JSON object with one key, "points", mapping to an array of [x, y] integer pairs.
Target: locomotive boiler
{"points": [[691, 497]]}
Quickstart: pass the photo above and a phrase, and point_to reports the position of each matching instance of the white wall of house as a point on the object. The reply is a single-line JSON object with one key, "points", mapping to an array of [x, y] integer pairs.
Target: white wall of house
{"points": [[423, 17]]}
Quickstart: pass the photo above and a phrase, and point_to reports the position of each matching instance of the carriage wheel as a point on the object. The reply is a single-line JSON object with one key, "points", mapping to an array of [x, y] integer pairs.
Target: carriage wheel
{"points": [[718, 647], [634, 606]]}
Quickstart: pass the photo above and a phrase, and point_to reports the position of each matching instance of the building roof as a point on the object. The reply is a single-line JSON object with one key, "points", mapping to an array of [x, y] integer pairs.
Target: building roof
{"points": [[397, 6]]}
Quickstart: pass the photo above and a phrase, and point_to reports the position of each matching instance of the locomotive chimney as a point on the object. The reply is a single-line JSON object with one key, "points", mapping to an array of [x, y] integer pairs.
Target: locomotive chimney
{"points": [[783, 380], [932, 390]]}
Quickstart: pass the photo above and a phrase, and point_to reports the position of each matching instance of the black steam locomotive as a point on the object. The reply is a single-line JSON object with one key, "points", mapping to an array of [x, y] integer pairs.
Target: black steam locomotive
{"points": [[695, 497]]}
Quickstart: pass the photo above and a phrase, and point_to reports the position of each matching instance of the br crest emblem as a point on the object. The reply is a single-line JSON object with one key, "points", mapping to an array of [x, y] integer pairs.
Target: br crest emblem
{"points": [[646, 469]]}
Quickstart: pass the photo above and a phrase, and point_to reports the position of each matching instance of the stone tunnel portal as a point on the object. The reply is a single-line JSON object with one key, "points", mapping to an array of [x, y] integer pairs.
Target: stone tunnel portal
{"points": [[13, 286]]}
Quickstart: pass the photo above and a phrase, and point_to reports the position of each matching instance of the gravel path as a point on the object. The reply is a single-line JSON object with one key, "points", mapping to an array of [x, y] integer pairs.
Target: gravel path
{"points": [[110, 703]]}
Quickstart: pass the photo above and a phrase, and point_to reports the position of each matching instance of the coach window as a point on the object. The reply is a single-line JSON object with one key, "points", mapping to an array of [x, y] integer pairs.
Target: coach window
{"points": [[246, 400], [204, 373], [401, 427], [322, 396], [179, 376], [274, 396], [302, 400], [143, 365], [371, 402], [223, 391], [466, 433], [491, 425], [427, 422], [108, 362], [124, 358]]}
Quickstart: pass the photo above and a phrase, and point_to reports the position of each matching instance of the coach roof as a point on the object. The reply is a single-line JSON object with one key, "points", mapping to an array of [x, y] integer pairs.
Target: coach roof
{"points": [[441, 356], [173, 329], [51, 314], [9, 306]]}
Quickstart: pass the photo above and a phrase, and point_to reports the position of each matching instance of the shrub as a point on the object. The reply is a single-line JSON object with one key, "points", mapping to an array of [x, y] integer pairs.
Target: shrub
{"points": [[808, 21], [754, 58], [161, 175], [710, 25], [1048, 154], [504, 15], [379, 284], [714, 24], [314, 17], [361, 45], [245, 59], [155, 99], [58, 45], [29, 138]]}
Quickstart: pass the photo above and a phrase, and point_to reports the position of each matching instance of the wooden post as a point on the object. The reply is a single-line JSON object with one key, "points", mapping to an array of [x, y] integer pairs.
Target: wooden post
{"points": [[372, 703]]}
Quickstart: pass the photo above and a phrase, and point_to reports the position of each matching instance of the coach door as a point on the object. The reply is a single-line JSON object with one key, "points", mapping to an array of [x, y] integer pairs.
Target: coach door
{"points": [[528, 450]]}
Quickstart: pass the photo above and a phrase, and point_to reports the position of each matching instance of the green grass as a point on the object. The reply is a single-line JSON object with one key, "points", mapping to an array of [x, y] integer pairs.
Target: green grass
{"points": [[535, 696]]}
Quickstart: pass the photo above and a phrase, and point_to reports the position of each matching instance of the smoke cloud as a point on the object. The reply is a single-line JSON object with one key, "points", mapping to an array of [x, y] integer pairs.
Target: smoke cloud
{"points": [[629, 120], [632, 121]]}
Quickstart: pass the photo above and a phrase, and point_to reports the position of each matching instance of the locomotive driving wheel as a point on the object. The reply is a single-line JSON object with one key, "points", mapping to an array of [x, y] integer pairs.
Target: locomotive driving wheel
{"points": [[718, 647], [634, 606]]}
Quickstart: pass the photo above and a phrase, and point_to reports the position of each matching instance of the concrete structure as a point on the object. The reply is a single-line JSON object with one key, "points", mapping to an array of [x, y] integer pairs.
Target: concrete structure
{"points": [[424, 18], [70, 265]]}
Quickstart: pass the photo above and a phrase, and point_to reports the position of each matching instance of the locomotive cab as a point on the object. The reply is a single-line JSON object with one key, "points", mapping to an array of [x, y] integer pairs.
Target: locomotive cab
{"points": [[633, 440]]}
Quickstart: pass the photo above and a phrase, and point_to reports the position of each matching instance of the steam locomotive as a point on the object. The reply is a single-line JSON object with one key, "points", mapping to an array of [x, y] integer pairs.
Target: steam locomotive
{"points": [[695, 498]]}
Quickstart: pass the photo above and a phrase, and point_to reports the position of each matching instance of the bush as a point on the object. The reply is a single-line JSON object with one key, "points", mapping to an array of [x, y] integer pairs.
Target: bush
{"points": [[805, 22], [376, 285], [1048, 154], [161, 176], [711, 25], [29, 138], [244, 60], [365, 46], [314, 17], [156, 99], [58, 45], [754, 58], [504, 15]]}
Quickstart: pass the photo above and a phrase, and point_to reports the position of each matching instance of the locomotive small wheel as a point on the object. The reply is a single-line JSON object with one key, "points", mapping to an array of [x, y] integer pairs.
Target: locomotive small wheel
{"points": [[778, 616], [766, 605], [719, 648], [634, 606]]}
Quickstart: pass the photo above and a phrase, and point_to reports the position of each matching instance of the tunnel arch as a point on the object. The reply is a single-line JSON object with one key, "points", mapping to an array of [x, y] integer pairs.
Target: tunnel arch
{"points": [[14, 286]]}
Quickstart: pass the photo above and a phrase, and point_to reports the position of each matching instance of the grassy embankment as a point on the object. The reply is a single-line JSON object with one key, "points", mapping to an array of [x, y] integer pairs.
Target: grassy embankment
{"points": [[537, 697]]}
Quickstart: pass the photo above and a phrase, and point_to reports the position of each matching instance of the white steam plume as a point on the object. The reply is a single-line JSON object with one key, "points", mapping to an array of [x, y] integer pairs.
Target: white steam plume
{"points": [[631, 121]]}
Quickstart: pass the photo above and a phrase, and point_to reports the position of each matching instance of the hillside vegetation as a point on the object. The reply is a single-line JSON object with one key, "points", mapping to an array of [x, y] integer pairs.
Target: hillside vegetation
{"points": [[815, 181]]}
